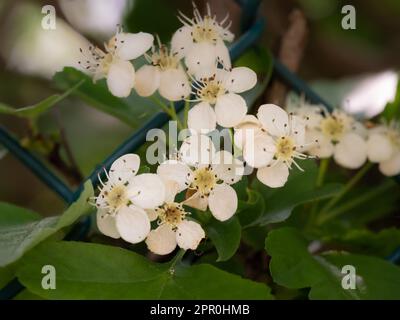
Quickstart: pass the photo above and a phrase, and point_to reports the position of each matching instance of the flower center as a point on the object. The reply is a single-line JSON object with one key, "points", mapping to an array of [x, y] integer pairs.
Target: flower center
{"points": [[171, 213], [115, 198], [211, 90], [204, 180], [332, 127], [164, 60], [285, 148], [205, 31]]}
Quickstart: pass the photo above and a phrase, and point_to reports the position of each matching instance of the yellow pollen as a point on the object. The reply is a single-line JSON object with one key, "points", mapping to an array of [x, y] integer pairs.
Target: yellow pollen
{"points": [[116, 197], [333, 128], [211, 91], [204, 180], [285, 148], [164, 60], [205, 31], [171, 213]]}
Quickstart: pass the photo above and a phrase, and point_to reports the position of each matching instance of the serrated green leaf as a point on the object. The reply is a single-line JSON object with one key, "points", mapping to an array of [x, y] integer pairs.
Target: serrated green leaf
{"points": [[93, 271], [39, 108], [17, 239], [132, 110], [225, 236], [293, 266]]}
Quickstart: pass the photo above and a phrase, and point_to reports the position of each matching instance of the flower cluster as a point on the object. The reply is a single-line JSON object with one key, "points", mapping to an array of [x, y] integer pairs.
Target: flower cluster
{"points": [[160, 208]]}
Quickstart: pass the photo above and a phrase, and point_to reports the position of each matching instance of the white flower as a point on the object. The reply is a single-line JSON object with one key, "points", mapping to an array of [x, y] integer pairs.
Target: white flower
{"points": [[165, 74], [338, 135], [275, 145], [174, 229], [383, 147], [206, 174], [113, 64], [201, 42], [124, 199], [221, 91]]}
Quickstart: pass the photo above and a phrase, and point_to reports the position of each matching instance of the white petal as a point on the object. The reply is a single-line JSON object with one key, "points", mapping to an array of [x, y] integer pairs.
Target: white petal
{"points": [[107, 224], [227, 168], [189, 234], [274, 119], [230, 109], [147, 191], [197, 202], [199, 58], [133, 45], [197, 150], [274, 176], [161, 240], [175, 171], [147, 80], [379, 148], [321, 146], [259, 150], [202, 118], [240, 80], [152, 214], [222, 54], [124, 168], [133, 224], [121, 78], [174, 84], [391, 167], [298, 130], [181, 41], [248, 127], [223, 202], [351, 151]]}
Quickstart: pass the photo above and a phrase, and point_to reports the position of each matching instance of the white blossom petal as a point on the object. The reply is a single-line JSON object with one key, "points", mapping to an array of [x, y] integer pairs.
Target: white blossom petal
{"points": [[124, 168], [197, 201], [197, 149], [133, 224], [152, 214], [241, 79], [274, 176], [161, 240], [132, 45], [321, 146], [391, 167], [202, 118], [274, 119], [379, 147], [107, 224], [181, 41], [121, 78], [246, 129], [351, 151], [200, 58], [227, 168], [223, 202], [222, 54], [174, 84], [230, 109], [259, 151], [147, 190], [189, 234], [175, 171], [147, 80]]}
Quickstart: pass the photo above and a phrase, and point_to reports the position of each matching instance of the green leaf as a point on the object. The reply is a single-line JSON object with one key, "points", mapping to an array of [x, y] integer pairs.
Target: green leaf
{"points": [[93, 271], [293, 266], [132, 110], [392, 109], [12, 215], [225, 236], [250, 210], [299, 189], [40, 107], [17, 239], [257, 58]]}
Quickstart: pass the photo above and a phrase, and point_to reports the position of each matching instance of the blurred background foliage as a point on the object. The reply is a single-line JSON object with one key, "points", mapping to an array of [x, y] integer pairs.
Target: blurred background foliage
{"points": [[335, 61]]}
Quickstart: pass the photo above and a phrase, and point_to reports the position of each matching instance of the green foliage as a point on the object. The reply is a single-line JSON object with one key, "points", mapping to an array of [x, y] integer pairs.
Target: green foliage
{"points": [[392, 109], [133, 110], [16, 239], [39, 108], [225, 236], [92, 271], [293, 266], [299, 189]]}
